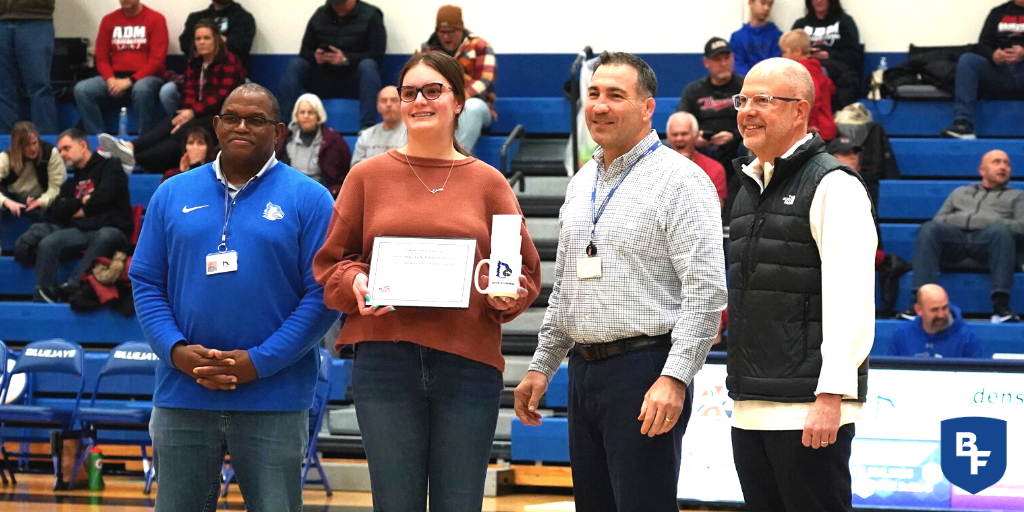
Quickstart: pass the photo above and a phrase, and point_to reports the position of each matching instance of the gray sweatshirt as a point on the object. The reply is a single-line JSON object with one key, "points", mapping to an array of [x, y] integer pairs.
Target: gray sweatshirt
{"points": [[974, 207]]}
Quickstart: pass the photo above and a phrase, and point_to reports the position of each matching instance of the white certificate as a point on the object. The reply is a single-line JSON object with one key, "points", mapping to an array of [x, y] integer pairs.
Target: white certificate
{"points": [[424, 272]]}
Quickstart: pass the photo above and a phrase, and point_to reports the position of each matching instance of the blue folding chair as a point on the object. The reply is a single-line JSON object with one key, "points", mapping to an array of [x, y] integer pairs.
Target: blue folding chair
{"points": [[50, 356], [316, 420], [3, 379], [129, 358]]}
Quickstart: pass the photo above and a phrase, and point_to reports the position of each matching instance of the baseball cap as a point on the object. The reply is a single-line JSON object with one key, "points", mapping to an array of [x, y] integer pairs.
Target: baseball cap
{"points": [[841, 145], [716, 46]]}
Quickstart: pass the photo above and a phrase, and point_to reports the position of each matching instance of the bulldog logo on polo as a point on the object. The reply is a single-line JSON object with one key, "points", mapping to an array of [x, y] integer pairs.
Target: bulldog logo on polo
{"points": [[273, 212]]}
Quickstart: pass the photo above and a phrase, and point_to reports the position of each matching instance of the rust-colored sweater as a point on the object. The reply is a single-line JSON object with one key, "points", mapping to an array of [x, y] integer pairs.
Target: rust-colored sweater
{"points": [[382, 197]]}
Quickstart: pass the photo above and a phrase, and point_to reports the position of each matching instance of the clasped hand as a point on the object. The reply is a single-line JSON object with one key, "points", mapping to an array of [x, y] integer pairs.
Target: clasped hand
{"points": [[214, 369]]}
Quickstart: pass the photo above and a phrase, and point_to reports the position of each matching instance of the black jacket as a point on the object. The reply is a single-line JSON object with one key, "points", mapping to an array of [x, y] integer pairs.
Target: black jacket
{"points": [[236, 23], [42, 168], [775, 308], [104, 181], [360, 34], [838, 35], [1000, 29]]}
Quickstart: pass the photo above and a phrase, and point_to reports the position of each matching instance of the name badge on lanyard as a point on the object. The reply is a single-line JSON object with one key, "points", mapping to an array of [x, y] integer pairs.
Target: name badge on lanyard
{"points": [[588, 268], [221, 262]]}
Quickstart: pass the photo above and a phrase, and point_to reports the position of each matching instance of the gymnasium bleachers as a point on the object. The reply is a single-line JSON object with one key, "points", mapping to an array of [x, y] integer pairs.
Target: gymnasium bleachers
{"points": [[931, 168]]}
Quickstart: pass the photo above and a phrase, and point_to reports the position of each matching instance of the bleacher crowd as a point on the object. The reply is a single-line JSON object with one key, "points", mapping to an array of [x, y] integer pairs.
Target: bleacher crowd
{"points": [[76, 190]]}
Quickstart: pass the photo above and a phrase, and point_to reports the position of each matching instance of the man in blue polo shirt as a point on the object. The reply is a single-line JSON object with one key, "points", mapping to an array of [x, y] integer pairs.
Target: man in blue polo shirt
{"points": [[938, 331], [225, 293]]}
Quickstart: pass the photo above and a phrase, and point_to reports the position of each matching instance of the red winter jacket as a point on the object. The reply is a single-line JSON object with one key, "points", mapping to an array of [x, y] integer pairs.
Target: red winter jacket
{"points": [[821, 112]]}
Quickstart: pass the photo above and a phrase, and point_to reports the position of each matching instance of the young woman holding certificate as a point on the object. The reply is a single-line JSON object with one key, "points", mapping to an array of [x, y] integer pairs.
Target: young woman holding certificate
{"points": [[426, 380]]}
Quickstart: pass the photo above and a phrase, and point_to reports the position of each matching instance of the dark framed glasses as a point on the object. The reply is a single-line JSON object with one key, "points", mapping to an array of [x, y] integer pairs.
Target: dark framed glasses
{"points": [[758, 101], [255, 122], [431, 92]]}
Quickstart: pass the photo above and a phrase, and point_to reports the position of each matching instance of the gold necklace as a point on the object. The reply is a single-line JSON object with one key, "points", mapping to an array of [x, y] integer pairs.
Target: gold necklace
{"points": [[431, 190]]}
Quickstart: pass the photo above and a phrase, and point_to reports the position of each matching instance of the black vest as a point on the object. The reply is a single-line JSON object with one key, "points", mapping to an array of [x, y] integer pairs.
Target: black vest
{"points": [[775, 334], [41, 164]]}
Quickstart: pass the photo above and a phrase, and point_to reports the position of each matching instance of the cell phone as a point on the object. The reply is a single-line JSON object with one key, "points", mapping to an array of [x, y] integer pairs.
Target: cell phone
{"points": [[325, 47]]}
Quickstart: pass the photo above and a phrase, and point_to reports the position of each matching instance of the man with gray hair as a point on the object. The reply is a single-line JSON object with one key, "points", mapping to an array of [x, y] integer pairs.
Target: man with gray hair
{"points": [[682, 132], [639, 290], [801, 302]]}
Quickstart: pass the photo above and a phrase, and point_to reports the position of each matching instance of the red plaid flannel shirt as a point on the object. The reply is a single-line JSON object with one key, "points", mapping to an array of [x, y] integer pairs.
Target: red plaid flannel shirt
{"points": [[221, 78]]}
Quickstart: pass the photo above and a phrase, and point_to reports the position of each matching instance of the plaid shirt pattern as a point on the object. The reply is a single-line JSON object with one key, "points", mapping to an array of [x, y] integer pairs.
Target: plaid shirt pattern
{"points": [[477, 59], [206, 92], [663, 267]]}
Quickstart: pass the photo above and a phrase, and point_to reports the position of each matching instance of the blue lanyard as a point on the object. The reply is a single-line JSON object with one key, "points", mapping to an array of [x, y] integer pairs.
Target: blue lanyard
{"points": [[596, 215], [229, 206]]}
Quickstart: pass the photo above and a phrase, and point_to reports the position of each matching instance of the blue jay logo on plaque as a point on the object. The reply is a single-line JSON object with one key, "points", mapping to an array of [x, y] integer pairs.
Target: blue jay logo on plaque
{"points": [[503, 270], [273, 212], [973, 452]]}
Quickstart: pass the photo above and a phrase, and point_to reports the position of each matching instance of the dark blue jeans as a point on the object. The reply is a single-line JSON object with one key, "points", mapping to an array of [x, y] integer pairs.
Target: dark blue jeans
{"points": [[92, 98], [938, 242], [976, 74], [54, 244], [363, 83], [615, 468], [426, 417], [26, 53], [266, 447]]}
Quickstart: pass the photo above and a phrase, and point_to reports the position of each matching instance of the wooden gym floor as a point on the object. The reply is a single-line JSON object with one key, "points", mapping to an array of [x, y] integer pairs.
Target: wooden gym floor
{"points": [[124, 494]]}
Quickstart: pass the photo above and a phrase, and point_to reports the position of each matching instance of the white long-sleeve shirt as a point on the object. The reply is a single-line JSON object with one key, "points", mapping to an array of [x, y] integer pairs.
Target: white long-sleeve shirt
{"points": [[844, 232]]}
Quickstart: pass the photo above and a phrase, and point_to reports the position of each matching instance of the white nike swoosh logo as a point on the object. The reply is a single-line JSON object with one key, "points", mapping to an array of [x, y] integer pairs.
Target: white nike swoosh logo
{"points": [[186, 209]]}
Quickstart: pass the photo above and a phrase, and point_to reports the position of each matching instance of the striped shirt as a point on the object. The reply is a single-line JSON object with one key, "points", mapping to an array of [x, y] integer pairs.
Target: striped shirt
{"points": [[660, 244]]}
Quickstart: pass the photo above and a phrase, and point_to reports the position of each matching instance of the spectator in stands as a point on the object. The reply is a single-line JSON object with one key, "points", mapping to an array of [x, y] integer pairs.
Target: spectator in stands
{"points": [[801, 301], [995, 67], [237, 29], [846, 152], [210, 76], [314, 148], [384, 136], [479, 65], [200, 149], [26, 52], [341, 57], [758, 39], [31, 173], [428, 404], [939, 330], [710, 100], [259, 369], [131, 50], [657, 259], [835, 41], [682, 131], [92, 213], [983, 222], [796, 45]]}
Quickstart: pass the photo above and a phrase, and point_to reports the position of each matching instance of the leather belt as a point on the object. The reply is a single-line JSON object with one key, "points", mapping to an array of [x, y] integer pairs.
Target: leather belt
{"points": [[598, 351]]}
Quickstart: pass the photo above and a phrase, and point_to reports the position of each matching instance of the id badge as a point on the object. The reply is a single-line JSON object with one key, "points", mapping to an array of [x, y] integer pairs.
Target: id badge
{"points": [[588, 268], [221, 262]]}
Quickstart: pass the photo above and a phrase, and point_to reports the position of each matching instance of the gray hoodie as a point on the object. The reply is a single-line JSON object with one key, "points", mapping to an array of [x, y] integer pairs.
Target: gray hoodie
{"points": [[974, 207]]}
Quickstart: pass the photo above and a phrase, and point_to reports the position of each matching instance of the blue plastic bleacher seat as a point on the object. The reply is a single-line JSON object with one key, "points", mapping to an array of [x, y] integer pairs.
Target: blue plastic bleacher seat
{"points": [[547, 442], [929, 118], [342, 115], [949, 158], [997, 338], [916, 200]]}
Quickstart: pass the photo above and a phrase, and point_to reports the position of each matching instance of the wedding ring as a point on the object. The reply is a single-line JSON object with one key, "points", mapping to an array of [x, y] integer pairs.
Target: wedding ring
{"points": [[824, 443], [668, 420]]}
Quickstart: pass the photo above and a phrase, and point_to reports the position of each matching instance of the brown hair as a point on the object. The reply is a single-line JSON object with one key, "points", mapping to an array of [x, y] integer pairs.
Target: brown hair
{"points": [[21, 134], [219, 48], [202, 133], [452, 72]]}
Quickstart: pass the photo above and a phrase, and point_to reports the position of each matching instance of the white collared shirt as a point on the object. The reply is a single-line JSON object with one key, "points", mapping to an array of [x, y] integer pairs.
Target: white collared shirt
{"points": [[847, 250], [233, 189]]}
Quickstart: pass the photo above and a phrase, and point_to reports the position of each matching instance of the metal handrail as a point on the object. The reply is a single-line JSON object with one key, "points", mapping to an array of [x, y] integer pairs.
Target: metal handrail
{"points": [[573, 95], [517, 133]]}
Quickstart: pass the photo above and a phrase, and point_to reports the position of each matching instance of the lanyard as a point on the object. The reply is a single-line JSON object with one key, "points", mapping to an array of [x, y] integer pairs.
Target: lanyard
{"points": [[595, 211], [229, 206]]}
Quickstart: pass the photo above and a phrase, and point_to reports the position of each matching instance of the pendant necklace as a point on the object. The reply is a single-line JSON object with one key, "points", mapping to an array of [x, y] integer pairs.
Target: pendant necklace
{"points": [[431, 190]]}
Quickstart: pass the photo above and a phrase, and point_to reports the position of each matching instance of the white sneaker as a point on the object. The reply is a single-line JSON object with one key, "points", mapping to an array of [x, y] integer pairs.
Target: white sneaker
{"points": [[118, 149]]}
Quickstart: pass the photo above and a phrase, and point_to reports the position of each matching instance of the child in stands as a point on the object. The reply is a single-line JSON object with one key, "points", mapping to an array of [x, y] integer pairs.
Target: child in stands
{"points": [[796, 45]]}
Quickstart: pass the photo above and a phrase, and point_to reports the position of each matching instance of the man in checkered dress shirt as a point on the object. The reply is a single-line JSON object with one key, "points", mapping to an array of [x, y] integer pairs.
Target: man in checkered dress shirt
{"points": [[661, 289]]}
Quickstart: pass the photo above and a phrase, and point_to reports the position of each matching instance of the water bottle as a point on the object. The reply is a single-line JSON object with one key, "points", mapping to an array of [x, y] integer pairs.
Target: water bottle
{"points": [[95, 463], [877, 79], [882, 65], [122, 123]]}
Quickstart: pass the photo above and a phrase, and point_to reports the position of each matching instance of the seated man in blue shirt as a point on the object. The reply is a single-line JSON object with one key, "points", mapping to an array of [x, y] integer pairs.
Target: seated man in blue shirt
{"points": [[938, 331]]}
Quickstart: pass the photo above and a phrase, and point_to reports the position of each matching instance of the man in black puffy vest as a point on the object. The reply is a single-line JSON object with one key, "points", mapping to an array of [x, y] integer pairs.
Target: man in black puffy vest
{"points": [[801, 301]]}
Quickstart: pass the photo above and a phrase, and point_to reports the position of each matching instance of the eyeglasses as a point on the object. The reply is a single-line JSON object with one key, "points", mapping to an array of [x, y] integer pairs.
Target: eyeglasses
{"points": [[759, 101], [255, 122], [431, 92]]}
